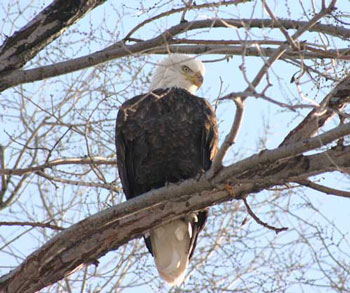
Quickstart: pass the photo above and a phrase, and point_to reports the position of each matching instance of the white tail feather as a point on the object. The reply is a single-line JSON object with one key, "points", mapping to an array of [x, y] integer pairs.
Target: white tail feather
{"points": [[170, 246]]}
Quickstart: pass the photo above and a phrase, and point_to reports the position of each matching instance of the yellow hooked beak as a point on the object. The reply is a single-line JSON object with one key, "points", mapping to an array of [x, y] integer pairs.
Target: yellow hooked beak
{"points": [[198, 79]]}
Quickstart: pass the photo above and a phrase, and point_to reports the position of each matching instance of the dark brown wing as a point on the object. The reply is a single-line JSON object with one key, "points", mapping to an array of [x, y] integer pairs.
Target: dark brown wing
{"points": [[165, 136], [127, 130]]}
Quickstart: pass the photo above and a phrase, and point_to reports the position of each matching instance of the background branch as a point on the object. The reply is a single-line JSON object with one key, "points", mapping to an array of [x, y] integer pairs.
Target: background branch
{"points": [[336, 100], [260, 222], [58, 162], [41, 225], [324, 189], [119, 49]]}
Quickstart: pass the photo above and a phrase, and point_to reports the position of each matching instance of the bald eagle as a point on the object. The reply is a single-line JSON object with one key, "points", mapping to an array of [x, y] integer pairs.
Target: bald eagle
{"points": [[165, 136]]}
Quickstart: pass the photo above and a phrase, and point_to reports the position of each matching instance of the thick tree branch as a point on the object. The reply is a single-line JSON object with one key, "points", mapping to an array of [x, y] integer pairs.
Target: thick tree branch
{"points": [[317, 118], [286, 151], [160, 45], [41, 31], [86, 241]]}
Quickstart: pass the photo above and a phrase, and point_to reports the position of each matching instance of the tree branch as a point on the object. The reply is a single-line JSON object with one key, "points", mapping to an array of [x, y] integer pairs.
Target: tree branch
{"points": [[160, 45], [32, 224], [59, 162], [229, 139], [3, 176], [178, 10], [86, 241], [260, 222], [285, 151], [317, 118], [48, 25], [108, 186], [324, 189]]}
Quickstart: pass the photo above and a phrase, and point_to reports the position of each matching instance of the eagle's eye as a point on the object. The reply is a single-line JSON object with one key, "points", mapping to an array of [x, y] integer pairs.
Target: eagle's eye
{"points": [[186, 69]]}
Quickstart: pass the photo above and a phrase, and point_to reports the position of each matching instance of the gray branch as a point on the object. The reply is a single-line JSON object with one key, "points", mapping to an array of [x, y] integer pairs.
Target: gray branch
{"points": [[161, 44], [334, 102], [48, 25], [86, 241]]}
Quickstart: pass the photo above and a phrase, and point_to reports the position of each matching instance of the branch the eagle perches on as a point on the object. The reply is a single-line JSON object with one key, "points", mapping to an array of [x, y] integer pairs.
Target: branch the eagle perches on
{"points": [[88, 240]]}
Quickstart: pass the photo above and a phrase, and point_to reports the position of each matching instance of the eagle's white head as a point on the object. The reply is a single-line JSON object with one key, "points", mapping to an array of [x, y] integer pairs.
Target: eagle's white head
{"points": [[179, 70]]}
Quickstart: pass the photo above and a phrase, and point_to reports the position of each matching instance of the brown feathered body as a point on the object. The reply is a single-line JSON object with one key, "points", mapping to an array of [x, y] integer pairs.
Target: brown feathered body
{"points": [[164, 137]]}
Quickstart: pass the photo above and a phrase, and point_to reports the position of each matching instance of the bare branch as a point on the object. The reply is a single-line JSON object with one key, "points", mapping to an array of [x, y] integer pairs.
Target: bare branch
{"points": [[324, 189], [286, 151], [178, 10], [234, 95], [281, 50], [119, 49], [290, 40], [58, 162], [317, 118], [41, 225], [259, 221], [229, 139], [3, 176], [86, 241], [41, 31], [313, 21], [110, 186]]}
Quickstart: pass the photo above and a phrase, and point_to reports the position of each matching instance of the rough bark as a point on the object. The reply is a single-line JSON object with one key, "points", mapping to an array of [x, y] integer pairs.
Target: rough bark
{"points": [[48, 25], [86, 241], [332, 104]]}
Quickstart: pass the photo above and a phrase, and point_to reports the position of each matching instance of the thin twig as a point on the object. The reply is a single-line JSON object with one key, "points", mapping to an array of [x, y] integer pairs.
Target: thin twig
{"points": [[324, 189], [290, 40], [52, 179], [32, 224], [233, 95], [56, 143], [173, 11], [217, 100], [57, 162], [188, 6], [229, 139], [260, 222], [3, 176]]}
